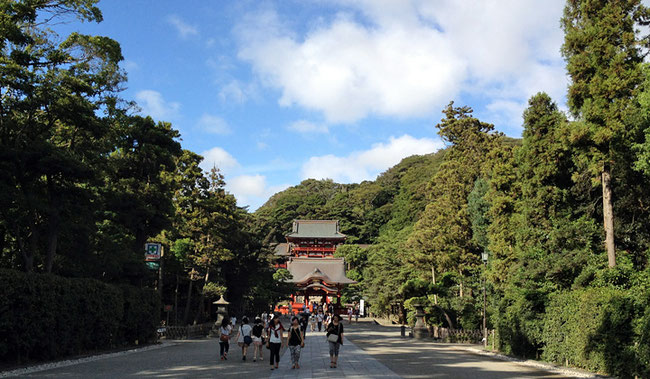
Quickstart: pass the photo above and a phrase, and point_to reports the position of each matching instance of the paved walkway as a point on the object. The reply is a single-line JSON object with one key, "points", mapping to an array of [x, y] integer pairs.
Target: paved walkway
{"points": [[315, 362], [370, 351]]}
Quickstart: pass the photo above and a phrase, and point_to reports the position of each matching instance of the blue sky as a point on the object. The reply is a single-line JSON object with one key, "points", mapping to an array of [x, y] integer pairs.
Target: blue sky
{"points": [[274, 92]]}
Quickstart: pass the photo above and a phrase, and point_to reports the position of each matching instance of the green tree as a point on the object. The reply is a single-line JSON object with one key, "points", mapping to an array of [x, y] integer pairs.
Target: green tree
{"points": [[604, 59], [442, 238], [50, 132]]}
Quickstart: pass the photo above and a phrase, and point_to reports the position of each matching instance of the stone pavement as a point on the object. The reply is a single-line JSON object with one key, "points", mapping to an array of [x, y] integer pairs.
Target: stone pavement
{"points": [[370, 351], [315, 362]]}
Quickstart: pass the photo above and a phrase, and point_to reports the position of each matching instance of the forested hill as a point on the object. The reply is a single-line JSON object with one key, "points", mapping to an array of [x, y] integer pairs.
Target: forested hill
{"points": [[365, 210]]}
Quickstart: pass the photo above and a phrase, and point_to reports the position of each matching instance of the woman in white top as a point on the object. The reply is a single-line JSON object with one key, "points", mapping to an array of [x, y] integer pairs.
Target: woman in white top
{"points": [[224, 338], [276, 339], [244, 338]]}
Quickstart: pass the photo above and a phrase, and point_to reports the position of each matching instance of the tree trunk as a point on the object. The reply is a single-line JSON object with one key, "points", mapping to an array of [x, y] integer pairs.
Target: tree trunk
{"points": [[186, 316], [199, 313], [608, 217], [176, 302], [52, 225], [433, 279], [461, 283], [451, 324], [27, 255]]}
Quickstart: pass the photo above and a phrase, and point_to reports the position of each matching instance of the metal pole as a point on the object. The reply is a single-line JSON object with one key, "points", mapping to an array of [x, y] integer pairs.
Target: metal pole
{"points": [[484, 309], [176, 302], [160, 276]]}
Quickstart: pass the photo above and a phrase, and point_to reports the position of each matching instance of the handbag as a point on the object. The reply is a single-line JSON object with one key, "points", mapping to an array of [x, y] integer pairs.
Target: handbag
{"points": [[334, 337], [223, 337]]}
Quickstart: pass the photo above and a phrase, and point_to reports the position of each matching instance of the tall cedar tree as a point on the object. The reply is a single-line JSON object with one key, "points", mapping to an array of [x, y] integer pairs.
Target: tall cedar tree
{"points": [[443, 234], [604, 60]]}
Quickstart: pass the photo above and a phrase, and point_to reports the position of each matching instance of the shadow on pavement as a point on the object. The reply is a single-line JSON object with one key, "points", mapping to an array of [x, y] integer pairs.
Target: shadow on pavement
{"points": [[412, 358]]}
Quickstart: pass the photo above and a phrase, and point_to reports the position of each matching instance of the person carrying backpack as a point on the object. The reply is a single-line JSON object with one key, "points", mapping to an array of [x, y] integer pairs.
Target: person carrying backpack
{"points": [[244, 339], [258, 339]]}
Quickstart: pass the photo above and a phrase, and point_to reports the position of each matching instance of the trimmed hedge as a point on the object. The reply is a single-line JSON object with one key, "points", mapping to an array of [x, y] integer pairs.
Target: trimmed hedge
{"points": [[45, 317], [595, 329]]}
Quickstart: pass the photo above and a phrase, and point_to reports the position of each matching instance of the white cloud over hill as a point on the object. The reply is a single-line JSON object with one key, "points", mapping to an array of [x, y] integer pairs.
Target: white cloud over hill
{"points": [[409, 58], [367, 164]]}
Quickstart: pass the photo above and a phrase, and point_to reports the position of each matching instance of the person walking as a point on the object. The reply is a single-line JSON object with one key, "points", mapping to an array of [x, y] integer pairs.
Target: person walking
{"points": [[349, 316], [312, 322], [224, 338], [276, 340], [296, 342], [258, 339], [335, 339], [303, 321], [244, 339], [319, 319]]}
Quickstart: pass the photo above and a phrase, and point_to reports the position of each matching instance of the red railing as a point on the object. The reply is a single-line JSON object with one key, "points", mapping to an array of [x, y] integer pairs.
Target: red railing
{"points": [[304, 248]]}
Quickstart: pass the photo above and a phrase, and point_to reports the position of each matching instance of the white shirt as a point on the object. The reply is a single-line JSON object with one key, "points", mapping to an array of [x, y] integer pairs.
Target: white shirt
{"points": [[244, 330], [320, 317], [272, 337], [225, 330]]}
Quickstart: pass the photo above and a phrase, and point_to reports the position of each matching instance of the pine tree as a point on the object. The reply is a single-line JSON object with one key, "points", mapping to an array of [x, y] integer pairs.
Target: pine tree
{"points": [[604, 59]]}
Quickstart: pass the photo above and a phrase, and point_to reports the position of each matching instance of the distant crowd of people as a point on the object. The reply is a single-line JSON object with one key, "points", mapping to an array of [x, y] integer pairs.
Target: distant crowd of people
{"points": [[268, 332]]}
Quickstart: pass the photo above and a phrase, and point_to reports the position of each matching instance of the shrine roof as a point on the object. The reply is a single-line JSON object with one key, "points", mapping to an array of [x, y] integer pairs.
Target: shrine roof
{"points": [[316, 229], [281, 249], [330, 270]]}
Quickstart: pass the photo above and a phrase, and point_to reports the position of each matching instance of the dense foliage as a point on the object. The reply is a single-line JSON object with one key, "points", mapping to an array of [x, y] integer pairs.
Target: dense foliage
{"points": [[560, 286], [43, 316], [87, 181]]}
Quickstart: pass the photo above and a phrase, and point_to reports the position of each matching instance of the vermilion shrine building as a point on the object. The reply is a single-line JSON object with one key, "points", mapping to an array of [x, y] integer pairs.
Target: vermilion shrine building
{"points": [[308, 254]]}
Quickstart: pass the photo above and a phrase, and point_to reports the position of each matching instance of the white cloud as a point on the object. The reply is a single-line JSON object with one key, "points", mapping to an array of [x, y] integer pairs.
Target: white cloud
{"points": [[252, 190], [214, 124], [184, 29], [237, 92], [308, 127], [366, 164], [506, 112], [220, 158], [248, 185], [409, 58], [153, 104]]}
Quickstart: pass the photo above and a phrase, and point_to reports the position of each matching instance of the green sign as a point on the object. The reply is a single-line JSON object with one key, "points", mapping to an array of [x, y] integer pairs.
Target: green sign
{"points": [[153, 265]]}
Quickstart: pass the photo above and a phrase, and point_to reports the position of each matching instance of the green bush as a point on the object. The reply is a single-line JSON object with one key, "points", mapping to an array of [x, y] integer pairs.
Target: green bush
{"points": [[45, 316], [592, 329], [140, 308], [519, 322]]}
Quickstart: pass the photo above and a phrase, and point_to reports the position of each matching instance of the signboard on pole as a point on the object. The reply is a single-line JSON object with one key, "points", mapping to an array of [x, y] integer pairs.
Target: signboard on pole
{"points": [[152, 252], [153, 265]]}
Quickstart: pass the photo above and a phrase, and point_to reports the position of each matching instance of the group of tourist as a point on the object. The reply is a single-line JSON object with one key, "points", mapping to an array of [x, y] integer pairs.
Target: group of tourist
{"points": [[268, 331]]}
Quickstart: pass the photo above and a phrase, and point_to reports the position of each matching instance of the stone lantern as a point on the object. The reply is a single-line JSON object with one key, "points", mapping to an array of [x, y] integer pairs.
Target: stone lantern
{"points": [[222, 312], [420, 330]]}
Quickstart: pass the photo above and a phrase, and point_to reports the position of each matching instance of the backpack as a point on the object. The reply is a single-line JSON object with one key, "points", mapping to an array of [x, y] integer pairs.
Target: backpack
{"points": [[247, 339], [257, 330]]}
